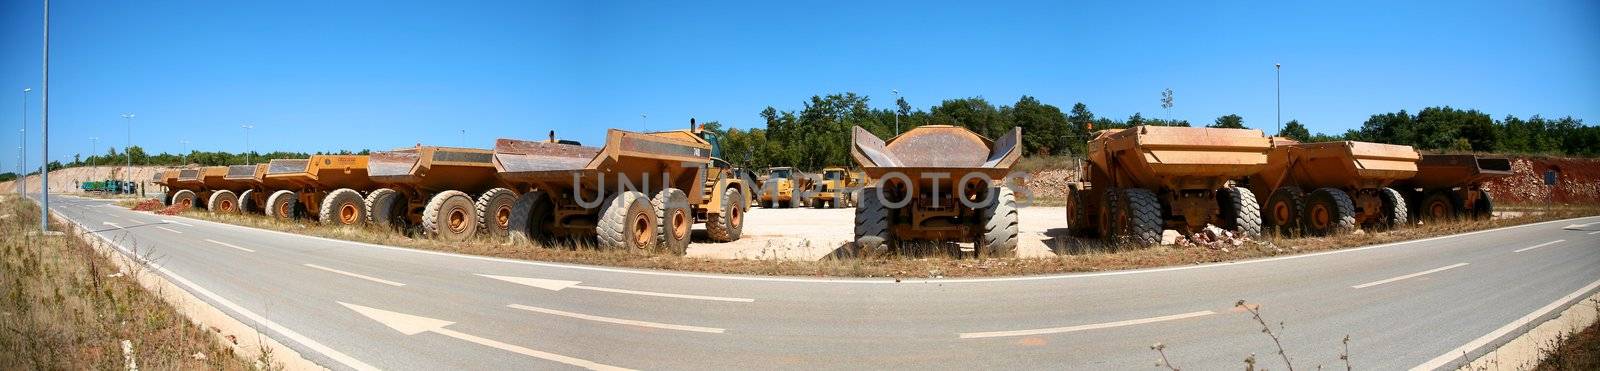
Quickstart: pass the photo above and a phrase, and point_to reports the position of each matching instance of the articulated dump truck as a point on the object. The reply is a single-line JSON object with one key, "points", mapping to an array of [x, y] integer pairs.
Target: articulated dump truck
{"points": [[1333, 187], [168, 179], [936, 183], [639, 192], [214, 189], [249, 177], [784, 187], [448, 193], [835, 188], [1144, 179], [324, 187], [1449, 187]]}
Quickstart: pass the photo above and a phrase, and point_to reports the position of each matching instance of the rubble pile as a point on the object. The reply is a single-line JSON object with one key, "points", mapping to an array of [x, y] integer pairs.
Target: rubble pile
{"points": [[174, 209], [1051, 183], [1213, 238], [147, 205]]}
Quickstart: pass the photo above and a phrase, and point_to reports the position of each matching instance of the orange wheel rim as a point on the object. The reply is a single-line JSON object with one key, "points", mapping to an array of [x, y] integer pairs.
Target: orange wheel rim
{"points": [[502, 217], [1438, 210], [736, 216], [641, 230], [1280, 211], [680, 225], [347, 214], [1320, 216], [283, 209], [226, 205], [458, 220]]}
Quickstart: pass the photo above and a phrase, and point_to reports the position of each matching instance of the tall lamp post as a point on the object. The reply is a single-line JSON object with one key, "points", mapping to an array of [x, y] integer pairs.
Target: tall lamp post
{"points": [[1278, 68], [94, 143], [44, 135], [896, 93], [184, 157], [644, 122], [128, 151], [23, 151], [247, 159]]}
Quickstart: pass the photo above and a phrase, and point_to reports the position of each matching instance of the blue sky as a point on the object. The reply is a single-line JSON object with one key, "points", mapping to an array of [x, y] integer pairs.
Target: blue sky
{"points": [[386, 74]]}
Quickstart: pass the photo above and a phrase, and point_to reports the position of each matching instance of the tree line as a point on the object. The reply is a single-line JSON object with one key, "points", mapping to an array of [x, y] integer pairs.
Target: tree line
{"points": [[139, 157]]}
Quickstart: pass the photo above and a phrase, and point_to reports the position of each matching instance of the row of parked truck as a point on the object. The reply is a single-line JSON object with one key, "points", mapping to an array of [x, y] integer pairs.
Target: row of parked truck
{"points": [[645, 191]]}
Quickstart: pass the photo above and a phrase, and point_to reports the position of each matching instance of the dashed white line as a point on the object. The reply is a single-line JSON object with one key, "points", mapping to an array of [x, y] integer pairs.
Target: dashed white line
{"points": [[1435, 270], [357, 275], [1539, 245], [229, 245], [665, 326], [1595, 232], [178, 223], [169, 230], [1095, 326]]}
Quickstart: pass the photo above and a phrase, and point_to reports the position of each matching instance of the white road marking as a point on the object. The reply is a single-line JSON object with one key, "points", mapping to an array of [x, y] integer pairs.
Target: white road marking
{"points": [[169, 230], [1539, 245], [1579, 226], [1095, 326], [112, 224], [173, 222], [228, 245], [557, 285], [1461, 352], [357, 275], [664, 326], [1435, 270], [1595, 232], [411, 325], [318, 347]]}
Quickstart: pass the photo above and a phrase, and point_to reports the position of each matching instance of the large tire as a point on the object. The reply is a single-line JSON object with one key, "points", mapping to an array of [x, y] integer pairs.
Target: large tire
{"points": [[1329, 211], [450, 216], [386, 208], [728, 225], [1145, 221], [1394, 208], [674, 223], [342, 207], [247, 203], [873, 218], [998, 238], [494, 212], [183, 197], [1283, 209], [627, 224], [1441, 206], [223, 202], [532, 218], [1240, 211], [283, 205], [1113, 215], [1078, 223], [1484, 209]]}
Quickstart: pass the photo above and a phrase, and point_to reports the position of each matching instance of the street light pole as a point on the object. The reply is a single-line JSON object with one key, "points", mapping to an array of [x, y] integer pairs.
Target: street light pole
{"points": [[247, 159], [644, 121], [23, 152], [44, 122], [184, 157], [128, 151], [93, 143], [896, 93], [1278, 67]]}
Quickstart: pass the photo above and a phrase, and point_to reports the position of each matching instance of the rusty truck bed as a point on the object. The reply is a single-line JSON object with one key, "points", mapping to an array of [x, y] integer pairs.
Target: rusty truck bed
{"points": [[934, 149]]}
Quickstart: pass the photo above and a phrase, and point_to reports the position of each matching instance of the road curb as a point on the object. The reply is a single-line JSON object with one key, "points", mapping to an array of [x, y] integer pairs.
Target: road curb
{"points": [[1525, 351]]}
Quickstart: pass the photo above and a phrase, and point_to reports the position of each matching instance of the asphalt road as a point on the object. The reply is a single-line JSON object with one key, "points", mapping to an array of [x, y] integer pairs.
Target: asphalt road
{"points": [[357, 306]]}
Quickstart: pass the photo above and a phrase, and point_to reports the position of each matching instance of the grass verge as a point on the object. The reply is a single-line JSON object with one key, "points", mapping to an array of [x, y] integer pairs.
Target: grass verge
{"points": [[66, 306], [1576, 351], [1074, 255]]}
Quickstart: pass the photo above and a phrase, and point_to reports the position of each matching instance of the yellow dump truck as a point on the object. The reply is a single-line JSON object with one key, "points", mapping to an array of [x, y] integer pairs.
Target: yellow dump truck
{"points": [[448, 193], [1448, 187], [835, 188], [1333, 187], [936, 183], [784, 187], [327, 188]]}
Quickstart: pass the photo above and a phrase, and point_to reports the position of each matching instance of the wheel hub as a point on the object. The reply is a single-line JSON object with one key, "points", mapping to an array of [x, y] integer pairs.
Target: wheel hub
{"points": [[680, 225], [457, 221], [641, 231], [347, 214], [1320, 216], [502, 218]]}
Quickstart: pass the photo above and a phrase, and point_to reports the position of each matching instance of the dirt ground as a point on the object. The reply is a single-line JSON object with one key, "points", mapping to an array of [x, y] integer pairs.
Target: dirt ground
{"points": [[68, 180], [811, 234]]}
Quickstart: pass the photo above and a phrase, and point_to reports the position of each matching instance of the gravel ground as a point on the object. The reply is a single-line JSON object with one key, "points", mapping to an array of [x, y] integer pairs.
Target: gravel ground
{"points": [[811, 234]]}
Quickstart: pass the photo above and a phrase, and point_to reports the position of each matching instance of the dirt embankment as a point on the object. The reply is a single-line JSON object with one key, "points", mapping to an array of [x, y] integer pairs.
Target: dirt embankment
{"points": [[1579, 181], [69, 180]]}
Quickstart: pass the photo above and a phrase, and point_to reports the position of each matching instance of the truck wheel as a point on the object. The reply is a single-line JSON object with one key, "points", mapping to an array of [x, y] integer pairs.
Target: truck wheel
{"points": [[223, 202], [281, 205], [1484, 209], [1329, 211], [1394, 208], [494, 211], [450, 216], [342, 207], [627, 223], [673, 220], [999, 235], [1145, 220], [531, 218], [872, 223], [246, 204], [183, 197], [386, 208], [1283, 210], [727, 225], [1240, 211], [1077, 218], [1441, 206], [1113, 215]]}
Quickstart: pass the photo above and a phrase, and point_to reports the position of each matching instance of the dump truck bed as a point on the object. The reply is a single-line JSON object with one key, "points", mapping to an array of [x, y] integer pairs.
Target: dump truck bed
{"points": [[1163, 155], [1448, 171], [320, 172], [935, 149], [434, 169], [630, 153], [1357, 164]]}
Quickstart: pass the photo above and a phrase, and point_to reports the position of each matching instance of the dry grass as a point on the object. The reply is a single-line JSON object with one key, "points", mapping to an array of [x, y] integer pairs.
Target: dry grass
{"points": [[1577, 351], [66, 306], [1075, 256]]}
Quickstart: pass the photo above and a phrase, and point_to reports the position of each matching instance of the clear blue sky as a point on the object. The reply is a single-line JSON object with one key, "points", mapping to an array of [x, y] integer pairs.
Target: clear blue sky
{"points": [[386, 74]]}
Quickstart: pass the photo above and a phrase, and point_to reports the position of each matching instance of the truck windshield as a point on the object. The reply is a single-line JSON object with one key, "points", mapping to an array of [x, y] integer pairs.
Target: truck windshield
{"points": [[779, 174], [716, 143], [833, 175]]}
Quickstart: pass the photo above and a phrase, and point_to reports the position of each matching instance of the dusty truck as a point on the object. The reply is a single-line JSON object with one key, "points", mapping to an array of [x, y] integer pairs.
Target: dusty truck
{"points": [[1144, 179], [326, 188], [168, 180], [835, 188], [218, 192], [936, 183], [446, 193], [1332, 187], [784, 187], [639, 192], [249, 198], [1448, 187]]}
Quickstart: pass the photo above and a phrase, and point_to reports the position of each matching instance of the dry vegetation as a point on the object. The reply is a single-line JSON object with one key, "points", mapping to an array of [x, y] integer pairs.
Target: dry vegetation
{"points": [[1577, 351], [1075, 256], [65, 306]]}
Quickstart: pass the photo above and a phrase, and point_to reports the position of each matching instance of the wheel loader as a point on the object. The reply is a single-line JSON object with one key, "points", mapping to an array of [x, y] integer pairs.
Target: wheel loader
{"points": [[936, 183]]}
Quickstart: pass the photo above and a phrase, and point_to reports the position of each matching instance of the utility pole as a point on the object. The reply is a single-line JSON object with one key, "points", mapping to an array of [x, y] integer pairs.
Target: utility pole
{"points": [[896, 93], [247, 159], [44, 121], [22, 152], [93, 143], [1278, 67]]}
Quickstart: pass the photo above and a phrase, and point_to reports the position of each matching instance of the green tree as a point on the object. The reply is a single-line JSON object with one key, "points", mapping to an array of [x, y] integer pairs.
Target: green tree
{"points": [[1043, 126], [1294, 130], [1135, 120], [973, 113], [1231, 121]]}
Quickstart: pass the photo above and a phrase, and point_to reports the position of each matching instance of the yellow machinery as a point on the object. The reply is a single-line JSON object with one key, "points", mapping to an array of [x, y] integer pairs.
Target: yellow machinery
{"points": [[325, 187], [168, 179], [784, 187], [639, 192], [249, 198], [1347, 183], [936, 183], [449, 193], [216, 190], [1448, 187], [835, 188], [1144, 179]]}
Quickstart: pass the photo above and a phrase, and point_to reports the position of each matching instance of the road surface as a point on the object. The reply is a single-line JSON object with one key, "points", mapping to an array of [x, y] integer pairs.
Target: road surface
{"points": [[349, 305]]}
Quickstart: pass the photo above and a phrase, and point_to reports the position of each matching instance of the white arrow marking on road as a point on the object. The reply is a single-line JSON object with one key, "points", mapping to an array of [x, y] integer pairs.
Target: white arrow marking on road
{"points": [[1096, 326], [169, 230], [412, 325], [1435, 270], [664, 326], [1539, 245], [228, 245], [178, 223], [557, 285], [361, 276]]}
